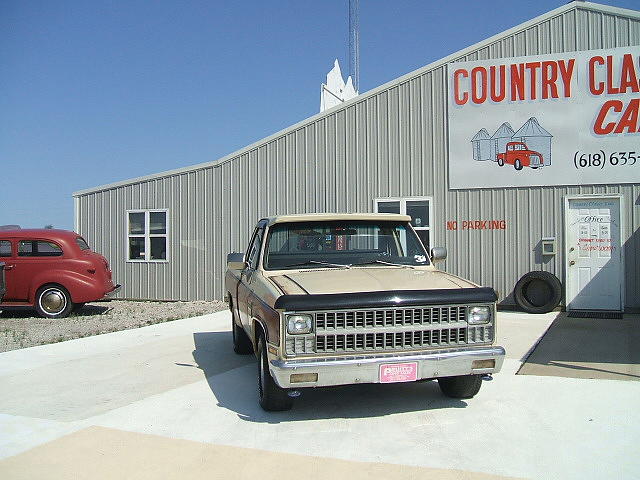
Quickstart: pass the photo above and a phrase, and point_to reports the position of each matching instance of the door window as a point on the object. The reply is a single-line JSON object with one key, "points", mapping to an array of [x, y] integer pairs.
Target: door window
{"points": [[5, 248], [253, 254], [38, 248]]}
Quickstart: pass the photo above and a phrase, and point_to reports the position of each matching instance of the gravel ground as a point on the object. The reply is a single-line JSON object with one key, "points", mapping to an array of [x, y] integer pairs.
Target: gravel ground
{"points": [[20, 329]]}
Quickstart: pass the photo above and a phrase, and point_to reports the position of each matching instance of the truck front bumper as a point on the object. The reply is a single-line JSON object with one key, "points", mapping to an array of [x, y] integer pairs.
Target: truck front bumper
{"points": [[366, 369]]}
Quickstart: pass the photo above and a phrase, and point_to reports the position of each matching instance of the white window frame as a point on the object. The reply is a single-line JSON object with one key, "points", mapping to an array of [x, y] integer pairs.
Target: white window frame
{"points": [[148, 236], [403, 211]]}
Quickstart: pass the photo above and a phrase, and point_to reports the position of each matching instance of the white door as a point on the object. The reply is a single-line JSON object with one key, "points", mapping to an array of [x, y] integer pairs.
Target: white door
{"points": [[593, 254]]}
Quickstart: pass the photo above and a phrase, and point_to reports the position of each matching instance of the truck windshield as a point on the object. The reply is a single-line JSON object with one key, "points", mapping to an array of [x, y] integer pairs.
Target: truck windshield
{"points": [[342, 243]]}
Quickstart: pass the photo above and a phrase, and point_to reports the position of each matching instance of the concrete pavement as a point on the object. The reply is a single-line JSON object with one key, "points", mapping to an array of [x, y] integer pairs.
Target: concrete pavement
{"points": [[172, 400]]}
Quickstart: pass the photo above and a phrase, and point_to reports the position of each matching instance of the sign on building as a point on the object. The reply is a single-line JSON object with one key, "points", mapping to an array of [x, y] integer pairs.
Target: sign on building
{"points": [[561, 119]]}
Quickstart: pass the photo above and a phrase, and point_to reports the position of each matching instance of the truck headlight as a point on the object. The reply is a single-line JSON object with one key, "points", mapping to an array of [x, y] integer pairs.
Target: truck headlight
{"points": [[478, 315], [299, 324]]}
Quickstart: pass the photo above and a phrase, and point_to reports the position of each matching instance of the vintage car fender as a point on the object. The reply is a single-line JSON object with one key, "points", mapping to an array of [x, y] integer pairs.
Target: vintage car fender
{"points": [[80, 287]]}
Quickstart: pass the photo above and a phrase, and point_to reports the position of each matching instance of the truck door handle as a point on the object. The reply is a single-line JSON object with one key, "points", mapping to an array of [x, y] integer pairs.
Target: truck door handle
{"points": [[9, 267]]}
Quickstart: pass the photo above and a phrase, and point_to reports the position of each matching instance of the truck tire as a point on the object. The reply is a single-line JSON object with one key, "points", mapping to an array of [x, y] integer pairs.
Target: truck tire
{"points": [[538, 292], [517, 164], [463, 386], [501, 162], [272, 397]]}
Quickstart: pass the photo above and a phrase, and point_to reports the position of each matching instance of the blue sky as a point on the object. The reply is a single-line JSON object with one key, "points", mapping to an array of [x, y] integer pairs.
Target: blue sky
{"points": [[94, 92]]}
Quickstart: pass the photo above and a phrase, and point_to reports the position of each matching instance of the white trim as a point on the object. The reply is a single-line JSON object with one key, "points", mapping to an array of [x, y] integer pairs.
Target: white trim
{"points": [[147, 236], [432, 66], [599, 196]]}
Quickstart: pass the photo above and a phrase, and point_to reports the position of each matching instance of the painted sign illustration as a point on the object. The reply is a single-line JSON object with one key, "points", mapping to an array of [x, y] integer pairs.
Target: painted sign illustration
{"points": [[559, 119], [530, 146]]}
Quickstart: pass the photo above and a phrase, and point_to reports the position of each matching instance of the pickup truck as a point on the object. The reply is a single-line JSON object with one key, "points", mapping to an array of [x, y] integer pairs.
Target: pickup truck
{"points": [[519, 155], [337, 299]]}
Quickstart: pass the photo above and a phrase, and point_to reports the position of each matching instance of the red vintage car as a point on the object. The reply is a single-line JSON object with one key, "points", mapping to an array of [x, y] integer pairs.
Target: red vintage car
{"points": [[53, 271], [519, 155]]}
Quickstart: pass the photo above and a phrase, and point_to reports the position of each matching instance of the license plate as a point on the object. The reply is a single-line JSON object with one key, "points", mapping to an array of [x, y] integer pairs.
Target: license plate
{"points": [[398, 372]]}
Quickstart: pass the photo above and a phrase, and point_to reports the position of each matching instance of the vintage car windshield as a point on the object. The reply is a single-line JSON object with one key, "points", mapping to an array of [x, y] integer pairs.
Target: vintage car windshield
{"points": [[341, 244]]}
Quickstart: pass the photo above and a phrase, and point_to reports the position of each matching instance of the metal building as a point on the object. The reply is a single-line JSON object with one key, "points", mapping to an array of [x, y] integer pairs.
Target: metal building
{"points": [[396, 148]]}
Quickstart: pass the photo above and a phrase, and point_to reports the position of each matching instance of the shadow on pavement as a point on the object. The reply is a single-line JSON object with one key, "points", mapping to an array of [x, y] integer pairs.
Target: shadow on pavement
{"points": [[233, 380], [587, 348]]}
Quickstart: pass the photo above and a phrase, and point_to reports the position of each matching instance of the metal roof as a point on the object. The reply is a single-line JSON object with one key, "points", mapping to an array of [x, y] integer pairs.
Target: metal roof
{"points": [[577, 5]]}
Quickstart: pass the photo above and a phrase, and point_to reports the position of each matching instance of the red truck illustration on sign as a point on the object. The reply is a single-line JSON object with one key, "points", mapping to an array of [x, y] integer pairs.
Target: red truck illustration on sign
{"points": [[529, 146], [519, 156]]}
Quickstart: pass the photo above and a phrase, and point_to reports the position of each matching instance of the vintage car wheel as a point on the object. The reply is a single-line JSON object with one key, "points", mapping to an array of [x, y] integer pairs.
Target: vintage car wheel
{"points": [[53, 301], [538, 292], [463, 386], [501, 162], [272, 397], [241, 343], [517, 164]]}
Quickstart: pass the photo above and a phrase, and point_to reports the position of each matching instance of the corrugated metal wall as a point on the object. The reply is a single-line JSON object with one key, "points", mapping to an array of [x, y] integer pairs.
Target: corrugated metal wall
{"points": [[391, 143]]}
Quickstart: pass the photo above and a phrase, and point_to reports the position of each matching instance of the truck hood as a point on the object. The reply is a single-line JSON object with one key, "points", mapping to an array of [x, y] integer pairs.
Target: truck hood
{"points": [[369, 279]]}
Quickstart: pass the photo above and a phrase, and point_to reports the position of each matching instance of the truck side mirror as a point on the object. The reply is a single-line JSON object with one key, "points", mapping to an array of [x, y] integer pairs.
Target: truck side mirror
{"points": [[235, 261], [438, 254]]}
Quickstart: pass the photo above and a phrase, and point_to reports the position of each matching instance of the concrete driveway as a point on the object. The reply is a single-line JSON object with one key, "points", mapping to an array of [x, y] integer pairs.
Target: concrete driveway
{"points": [[173, 401]]}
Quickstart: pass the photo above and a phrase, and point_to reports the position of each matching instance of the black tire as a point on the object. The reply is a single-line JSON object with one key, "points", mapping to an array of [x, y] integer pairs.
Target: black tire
{"points": [[501, 162], [241, 343], [53, 301], [272, 397], [538, 292], [517, 164], [463, 386]]}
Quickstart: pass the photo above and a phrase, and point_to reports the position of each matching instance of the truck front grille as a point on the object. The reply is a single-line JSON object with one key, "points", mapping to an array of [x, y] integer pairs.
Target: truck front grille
{"points": [[394, 329]]}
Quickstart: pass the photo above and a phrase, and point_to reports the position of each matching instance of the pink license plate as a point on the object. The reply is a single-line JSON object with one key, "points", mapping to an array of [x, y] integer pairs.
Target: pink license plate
{"points": [[398, 372]]}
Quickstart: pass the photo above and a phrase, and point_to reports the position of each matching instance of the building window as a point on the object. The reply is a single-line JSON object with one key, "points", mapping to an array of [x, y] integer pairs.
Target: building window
{"points": [[147, 232], [418, 208]]}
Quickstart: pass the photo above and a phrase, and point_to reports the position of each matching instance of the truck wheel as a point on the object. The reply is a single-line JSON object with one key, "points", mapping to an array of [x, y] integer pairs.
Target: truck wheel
{"points": [[53, 301], [463, 386], [241, 343], [517, 164], [538, 292], [272, 397], [501, 162]]}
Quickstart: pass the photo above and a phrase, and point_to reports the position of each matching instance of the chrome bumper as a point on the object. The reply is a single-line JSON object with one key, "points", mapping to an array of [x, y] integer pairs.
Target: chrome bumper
{"points": [[366, 369], [109, 295]]}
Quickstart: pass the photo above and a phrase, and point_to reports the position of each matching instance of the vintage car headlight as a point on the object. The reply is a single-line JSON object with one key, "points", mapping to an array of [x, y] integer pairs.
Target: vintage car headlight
{"points": [[478, 315], [299, 324]]}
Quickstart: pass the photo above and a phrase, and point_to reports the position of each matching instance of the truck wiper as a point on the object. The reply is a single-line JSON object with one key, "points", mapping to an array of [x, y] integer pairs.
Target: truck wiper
{"points": [[371, 262], [322, 264]]}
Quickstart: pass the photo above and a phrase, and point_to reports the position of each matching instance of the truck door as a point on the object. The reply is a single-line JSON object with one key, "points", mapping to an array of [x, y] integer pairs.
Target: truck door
{"points": [[245, 286]]}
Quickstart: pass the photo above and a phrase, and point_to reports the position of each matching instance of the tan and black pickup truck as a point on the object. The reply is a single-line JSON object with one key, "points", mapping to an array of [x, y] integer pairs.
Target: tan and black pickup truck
{"points": [[337, 299]]}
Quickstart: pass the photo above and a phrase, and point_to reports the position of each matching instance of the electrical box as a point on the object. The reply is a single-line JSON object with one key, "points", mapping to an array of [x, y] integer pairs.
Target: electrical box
{"points": [[549, 246]]}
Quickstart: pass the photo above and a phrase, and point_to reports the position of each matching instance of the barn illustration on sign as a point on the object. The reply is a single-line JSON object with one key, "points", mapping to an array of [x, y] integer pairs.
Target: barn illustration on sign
{"points": [[529, 146]]}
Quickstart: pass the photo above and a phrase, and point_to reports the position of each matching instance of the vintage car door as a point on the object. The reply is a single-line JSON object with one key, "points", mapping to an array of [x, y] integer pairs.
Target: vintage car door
{"points": [[247, 276], [7, 257]]}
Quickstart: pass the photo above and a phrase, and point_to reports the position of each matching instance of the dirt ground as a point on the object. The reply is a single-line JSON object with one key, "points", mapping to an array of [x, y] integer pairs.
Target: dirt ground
{"points": [[19, 328]]}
